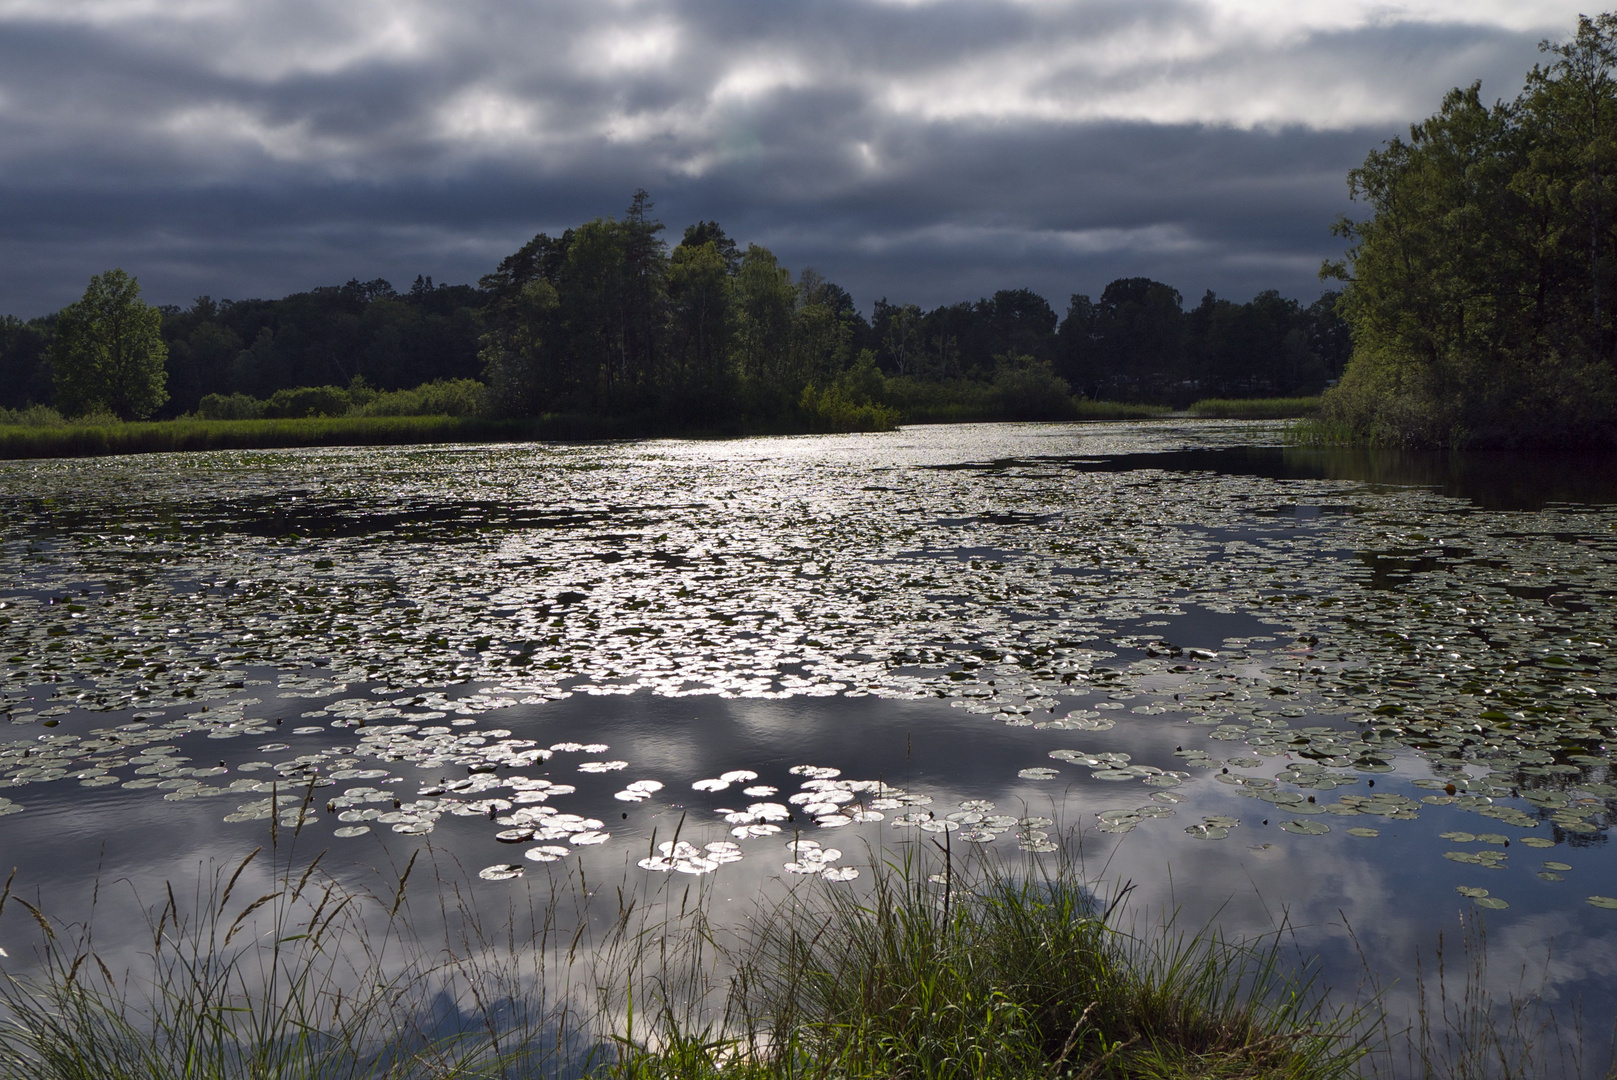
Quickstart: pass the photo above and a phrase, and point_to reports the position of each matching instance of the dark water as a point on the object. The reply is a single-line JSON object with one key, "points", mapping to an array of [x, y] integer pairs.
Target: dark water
{"points": [[1285, 687]]}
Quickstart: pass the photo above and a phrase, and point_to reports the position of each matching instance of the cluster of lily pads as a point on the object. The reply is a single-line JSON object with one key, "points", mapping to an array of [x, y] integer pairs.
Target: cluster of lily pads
{"points": [[1034, 592]]}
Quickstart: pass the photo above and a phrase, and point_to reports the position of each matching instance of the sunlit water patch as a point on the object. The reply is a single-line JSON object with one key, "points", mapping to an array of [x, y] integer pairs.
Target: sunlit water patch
{"points": [[1364, 691]]}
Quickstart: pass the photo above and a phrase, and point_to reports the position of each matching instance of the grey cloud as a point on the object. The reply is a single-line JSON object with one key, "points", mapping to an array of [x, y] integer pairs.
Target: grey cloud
{"points": [[296, 144]]}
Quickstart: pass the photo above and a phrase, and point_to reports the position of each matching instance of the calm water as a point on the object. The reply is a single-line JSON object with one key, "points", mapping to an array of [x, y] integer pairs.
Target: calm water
{"points": [[1263, 685]]}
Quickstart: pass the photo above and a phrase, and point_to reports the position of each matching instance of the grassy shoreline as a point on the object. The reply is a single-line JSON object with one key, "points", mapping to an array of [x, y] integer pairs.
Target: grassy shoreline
{"points": [[1294, 408], [20, 441]]}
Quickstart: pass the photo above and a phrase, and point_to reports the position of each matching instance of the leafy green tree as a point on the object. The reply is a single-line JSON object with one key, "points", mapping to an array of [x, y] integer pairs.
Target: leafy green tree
{"points": [[822, 329], [702, 323], [24, 372], [1480, 290], [1138, 340], [764, 303], [109, 352], [898, 329], [1029, 389], [519, 363]]}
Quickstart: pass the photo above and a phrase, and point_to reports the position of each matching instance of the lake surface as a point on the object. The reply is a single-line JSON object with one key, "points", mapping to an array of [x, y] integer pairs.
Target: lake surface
{"points": [[1357, 695]]}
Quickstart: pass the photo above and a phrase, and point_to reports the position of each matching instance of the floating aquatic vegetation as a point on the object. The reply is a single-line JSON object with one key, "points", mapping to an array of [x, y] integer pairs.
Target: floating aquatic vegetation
{"points": [[1417, 627], [546, 853], [1306, 828], [1213, 827]]}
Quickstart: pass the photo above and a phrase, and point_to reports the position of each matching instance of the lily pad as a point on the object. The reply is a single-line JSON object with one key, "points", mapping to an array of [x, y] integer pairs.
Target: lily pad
{"points": [[1307, 828]]}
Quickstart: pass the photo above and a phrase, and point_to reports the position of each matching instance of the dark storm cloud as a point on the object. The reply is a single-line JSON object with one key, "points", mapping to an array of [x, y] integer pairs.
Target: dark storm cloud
{"points": [[926, 152]]}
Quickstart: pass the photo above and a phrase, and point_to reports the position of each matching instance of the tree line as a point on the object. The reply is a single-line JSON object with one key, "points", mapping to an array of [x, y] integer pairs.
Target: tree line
{"points": [[610, 319]]}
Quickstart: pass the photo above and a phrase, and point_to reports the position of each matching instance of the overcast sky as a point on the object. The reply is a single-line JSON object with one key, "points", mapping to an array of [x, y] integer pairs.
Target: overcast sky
{"points": [[922, 150]]}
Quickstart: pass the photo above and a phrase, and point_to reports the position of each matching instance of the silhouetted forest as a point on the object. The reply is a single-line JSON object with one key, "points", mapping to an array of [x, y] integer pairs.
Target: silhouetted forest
{"points": [[609, 319]]}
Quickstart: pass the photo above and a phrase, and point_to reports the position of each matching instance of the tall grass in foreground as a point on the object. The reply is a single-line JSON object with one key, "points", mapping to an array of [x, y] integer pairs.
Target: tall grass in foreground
{"points": [[1462, 1030], [940, 971], [1255, 408], [986, 973], [269, 972]]}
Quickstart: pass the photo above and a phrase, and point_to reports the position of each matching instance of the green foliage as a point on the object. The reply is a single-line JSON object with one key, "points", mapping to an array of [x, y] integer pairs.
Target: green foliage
{"points": [[305, 401], [1029, 389], [607, 327], [831, 409], [443, 397], [237, 406], [109, 352], [1481, 290], [326, 336], [922, 401], [32, 416], [764, 304], [701, 316], [516, 361], [25, 375]]}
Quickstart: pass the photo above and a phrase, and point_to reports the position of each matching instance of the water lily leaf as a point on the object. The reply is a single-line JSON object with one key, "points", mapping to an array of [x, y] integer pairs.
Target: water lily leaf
{"points": [[1307, 828]]}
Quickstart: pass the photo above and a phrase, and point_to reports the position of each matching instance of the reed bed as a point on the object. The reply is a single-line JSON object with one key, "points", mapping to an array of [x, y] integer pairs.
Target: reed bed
{"points": [[1117, 410], [1292, 408], [163, 436]]}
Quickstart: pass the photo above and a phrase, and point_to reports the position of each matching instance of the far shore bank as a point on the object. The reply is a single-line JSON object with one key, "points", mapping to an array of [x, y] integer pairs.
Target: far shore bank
{"points": [[18, 441]]}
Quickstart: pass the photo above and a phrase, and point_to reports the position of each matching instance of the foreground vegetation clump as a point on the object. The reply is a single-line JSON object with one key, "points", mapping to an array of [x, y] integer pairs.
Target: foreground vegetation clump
{"points": [[999, 976], [1480, 292], [995, 974]]}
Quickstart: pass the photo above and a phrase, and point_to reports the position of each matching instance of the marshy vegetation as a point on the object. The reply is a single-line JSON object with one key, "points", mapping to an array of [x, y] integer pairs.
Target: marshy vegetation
{"points": [[939, 969]]}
